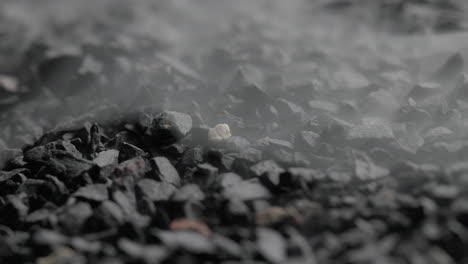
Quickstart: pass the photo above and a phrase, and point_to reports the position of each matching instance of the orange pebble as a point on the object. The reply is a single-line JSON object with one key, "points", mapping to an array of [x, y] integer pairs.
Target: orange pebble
{"points": [[190, 224]]}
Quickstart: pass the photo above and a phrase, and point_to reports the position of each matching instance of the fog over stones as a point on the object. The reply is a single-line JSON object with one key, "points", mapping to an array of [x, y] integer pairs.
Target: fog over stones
{"points": [[247, 131]]}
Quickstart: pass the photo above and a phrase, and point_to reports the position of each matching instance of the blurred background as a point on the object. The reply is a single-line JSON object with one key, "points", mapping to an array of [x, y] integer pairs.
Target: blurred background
{"points": [[360, 34]]}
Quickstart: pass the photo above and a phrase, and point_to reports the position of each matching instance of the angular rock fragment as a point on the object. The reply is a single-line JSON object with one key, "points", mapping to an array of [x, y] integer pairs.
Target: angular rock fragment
{"points": [[85, 245], [271, 245], [107, 157], [93, 192], [251, 155], [15, 207], [37, 154], [189, 192], [64, 163], [346, 78], [408, 137], [7, 155], [380, 103], [109, 214], [166, 171], [349, 110], [450, 69], [169, 127], [49, 237], [192, 157], [39, 216], [129, 209], [73, 217], [174, 151], [227, 246], [438, 133], [245, 84], [424, 90], [366, 169], [288, 109], [414, 115], [135, 168], [330, 129], [8, 84], [306, 140], [154, 191], [228, 179], [144, 253], [237, 143], [371, 129], [190, 241], [268, 167], [322, 107], [247, 190], [6, 175], [219, 133], [128, 151], [180, 67]]}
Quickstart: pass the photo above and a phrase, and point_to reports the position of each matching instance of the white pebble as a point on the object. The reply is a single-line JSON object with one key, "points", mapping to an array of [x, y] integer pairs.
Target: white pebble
{"points": [[219, 133]]}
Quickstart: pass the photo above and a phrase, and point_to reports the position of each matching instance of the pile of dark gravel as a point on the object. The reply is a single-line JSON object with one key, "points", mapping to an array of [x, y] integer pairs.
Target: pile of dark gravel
{"points": [[258, 150]]}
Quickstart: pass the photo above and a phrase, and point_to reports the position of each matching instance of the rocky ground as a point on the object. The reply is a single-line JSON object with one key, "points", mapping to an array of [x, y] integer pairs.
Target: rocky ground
{"points": [[211, 131]]}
